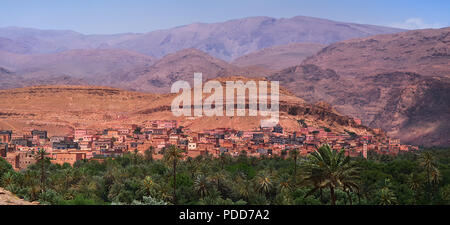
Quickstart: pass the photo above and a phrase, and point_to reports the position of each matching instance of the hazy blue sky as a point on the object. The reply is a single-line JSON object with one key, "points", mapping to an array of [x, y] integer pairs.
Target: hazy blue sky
{"points": [[116, 16]]}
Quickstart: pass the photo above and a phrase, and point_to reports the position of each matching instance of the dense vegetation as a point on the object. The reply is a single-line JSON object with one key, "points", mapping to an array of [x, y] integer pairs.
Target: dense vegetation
{"points": [[325, 177]]}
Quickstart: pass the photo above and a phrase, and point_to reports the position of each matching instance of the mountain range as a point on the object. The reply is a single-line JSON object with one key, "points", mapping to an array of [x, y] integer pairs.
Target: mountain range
{"points": [[226, 40]]}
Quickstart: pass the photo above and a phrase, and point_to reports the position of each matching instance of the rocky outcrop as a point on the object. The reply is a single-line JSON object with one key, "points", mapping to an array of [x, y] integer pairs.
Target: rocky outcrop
{"points": [[8, 198]]}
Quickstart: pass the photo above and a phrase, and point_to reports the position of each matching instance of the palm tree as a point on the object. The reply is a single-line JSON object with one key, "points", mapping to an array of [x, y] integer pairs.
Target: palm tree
{"points": [[243, 185], [192, 165], [149, 153], [40, 157], [68, 177], [217, 177], [7, 179], [264, 183], [294, 155], [315, 179], [172, 155], [445, 192], [284, 185], [149, 186], [332, 169], [349, 184], [135, 157], [428, 163], [201, 185], [222, 159], [435, 178], [414, 183], [387, 197]]}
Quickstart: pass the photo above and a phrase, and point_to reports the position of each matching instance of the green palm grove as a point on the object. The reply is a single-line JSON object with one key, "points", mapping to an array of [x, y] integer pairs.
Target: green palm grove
{"points": [[324, 177]]}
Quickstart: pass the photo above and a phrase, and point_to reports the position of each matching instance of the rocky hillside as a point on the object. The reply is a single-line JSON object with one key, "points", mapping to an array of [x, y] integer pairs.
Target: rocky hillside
{"points": [[182, 65], [9, 80], [8, 198], [418, 112], [426, 52], [278, 57], [407, 105]]}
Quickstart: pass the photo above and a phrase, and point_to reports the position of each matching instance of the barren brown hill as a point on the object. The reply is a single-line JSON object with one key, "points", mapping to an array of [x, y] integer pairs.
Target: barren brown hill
{"points": [[9, 80], [59, 109], [182, 65], [278, 57], [426, 52], [99, 66], [410, 106]]}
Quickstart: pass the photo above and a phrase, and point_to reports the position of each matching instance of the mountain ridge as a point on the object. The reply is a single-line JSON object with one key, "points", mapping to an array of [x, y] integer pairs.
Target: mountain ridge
{"points": [[226, 40]]}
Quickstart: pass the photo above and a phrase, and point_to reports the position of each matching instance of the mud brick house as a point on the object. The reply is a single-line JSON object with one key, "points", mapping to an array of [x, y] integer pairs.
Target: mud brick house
{"points": [[67, 157], [22, 142], [394, 142], [64, 145], [85, 145], [13, 159], [54, 139], [121, 148], [81, 133], [39, 134], [5, 136], [103, 144], [21, 160], [163, 124]]}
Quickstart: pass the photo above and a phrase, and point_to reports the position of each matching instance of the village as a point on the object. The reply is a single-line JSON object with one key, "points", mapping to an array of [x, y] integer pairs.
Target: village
{"points": [[88, 144]]}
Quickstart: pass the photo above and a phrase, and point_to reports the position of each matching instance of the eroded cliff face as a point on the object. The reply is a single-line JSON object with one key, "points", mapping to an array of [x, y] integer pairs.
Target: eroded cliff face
{"points": [[419, 112]]}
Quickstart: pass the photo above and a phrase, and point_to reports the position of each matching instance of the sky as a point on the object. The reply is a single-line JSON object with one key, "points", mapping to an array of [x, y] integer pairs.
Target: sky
{"points": [[139, 16]]}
